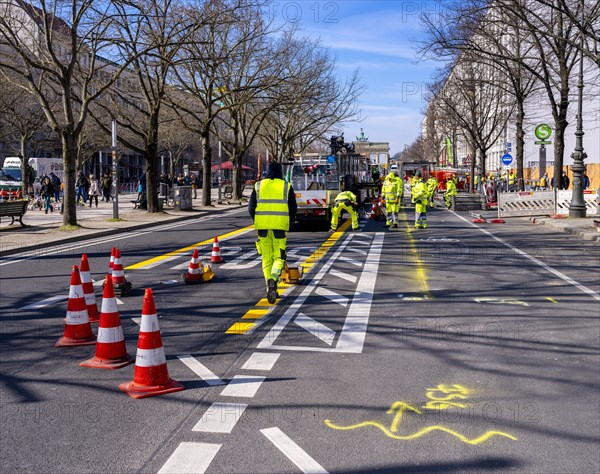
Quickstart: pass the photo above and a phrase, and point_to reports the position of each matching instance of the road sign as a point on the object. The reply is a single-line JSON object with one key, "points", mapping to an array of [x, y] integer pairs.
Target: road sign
{"points": [[543, 142], [543, 131], [507, 159]]}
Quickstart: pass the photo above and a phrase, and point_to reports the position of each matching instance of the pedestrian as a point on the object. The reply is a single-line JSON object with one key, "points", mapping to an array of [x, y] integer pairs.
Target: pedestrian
{"points": [[391, 199], [419, 197], [273, 207], [106, 185], [544, 182], [564, 181], [47, 191], [94, 190], [344, 201], [450, 191], [195, 185], [585, 181], [56, 183], [81, 187]]}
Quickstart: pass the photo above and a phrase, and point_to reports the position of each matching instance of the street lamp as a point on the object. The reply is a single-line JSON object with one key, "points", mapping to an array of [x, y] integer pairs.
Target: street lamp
{"points": [[577, 207]]}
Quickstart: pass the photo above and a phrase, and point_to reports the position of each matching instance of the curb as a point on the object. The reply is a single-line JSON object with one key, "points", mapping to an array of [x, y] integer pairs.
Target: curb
{"points": [[561, 225]]}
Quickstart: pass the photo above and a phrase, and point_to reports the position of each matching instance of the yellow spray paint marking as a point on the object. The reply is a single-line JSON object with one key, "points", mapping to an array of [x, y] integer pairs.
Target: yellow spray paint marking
{"points": [[174, 253], [421, 273], [501, 301], [552, 300], [436, 403], [240, 328]]}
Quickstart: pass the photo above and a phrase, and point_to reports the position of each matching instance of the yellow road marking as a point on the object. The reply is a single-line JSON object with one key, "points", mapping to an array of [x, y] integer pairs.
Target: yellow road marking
{"points": [[255, 314], [240, 328], [185, 249], [552, 300], [421, 273]]}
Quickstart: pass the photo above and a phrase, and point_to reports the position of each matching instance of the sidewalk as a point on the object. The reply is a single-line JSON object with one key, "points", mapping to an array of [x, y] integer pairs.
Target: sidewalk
{"points": [[581, 227], [42, 229]]}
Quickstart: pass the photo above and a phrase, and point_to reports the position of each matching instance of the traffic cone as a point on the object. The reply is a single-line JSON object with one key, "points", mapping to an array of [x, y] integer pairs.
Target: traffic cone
{"points": [[216, 252], [112, 261], [193, 275], [121, 285], [78, 330], [88, 290], [111, 352], [150, 376], [372, 216]]}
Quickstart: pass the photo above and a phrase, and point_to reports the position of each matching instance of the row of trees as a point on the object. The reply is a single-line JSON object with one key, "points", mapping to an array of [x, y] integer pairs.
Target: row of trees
{"points": [[170, 72], [500, 55]]}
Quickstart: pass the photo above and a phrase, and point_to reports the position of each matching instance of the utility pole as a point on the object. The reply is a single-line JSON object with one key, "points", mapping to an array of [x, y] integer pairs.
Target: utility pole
{"points": [[115, 170]]}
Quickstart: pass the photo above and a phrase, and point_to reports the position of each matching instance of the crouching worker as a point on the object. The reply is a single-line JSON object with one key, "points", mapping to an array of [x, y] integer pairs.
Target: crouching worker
{"points": [[273, 208], [345, 201]]}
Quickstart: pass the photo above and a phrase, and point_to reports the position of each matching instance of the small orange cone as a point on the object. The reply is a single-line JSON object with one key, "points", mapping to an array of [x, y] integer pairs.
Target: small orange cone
{"points": [[88, 290], [121, 285], [193, 275], [216, 252], [78, 330], [111, 352], [150, 376]]}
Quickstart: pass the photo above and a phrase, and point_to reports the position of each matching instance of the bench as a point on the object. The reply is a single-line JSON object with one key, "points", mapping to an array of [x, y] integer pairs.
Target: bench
{"points": [[141, 199], [14, 209], [228, 191]]}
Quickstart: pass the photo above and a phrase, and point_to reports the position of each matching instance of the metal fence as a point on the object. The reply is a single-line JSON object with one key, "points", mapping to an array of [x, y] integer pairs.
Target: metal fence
{"points": [[542, 203]]}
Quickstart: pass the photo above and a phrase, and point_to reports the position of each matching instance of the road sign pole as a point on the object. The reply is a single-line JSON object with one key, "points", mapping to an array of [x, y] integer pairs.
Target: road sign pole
{"points": [[115, 171], [542, 160]]}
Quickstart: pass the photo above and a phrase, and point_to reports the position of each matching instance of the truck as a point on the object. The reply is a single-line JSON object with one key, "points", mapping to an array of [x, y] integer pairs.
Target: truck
{"points": [[10, 178], [318, 178]]}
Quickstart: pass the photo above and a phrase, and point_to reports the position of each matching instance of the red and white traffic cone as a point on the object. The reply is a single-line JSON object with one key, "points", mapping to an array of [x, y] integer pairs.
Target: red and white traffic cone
{"points": [[193, 275], [78, 330], [111, 352], [151, 375], [215, 257], [121, 285], [372, 216], [88, 290]]}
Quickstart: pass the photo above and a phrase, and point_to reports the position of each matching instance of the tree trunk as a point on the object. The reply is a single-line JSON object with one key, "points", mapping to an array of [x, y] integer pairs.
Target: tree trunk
{"points": [[520, 143], [152, 164], [206, 164], [473, 153], [559, 145], [69, 150], [24, 167]]}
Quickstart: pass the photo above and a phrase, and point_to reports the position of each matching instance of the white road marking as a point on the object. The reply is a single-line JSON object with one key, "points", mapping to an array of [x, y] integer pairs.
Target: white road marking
{"points": [[501, 301], [357, 236], [357, 250], [137, 321], [352, 337], [243, 386], [317, 329], [546, 267], [220, 417], [46, 302], [292, 451], [119, 301], [331, 295], [356, 263], [261, 361], [97, 283], [240, 259], [200, 370], [345, 276], [190, 458]]}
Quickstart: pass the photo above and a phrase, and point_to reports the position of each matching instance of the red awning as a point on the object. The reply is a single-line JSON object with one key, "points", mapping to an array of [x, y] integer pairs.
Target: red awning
{"points": [[227, 165]]}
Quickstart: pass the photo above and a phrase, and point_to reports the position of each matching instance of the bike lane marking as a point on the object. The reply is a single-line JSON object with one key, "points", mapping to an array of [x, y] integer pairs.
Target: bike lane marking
{"points": [[190, 457], [292, 451]]}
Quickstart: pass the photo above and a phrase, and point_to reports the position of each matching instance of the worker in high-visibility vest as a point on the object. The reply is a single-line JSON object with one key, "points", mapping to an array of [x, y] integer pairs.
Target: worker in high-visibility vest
{"points": [[345, 201], [419, 197], [512, 178], [450, 191], [273, 207], [431, 189], [391, 198]]}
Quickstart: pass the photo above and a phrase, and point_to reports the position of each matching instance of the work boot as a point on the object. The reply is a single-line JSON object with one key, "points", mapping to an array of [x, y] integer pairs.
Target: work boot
{"points": [[395, 225], [271, 291], [386, 225]]}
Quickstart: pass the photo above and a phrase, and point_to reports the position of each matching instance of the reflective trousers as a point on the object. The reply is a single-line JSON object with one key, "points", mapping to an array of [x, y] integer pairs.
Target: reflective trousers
{"points": [[337, 210], [421, 213], [272, 250], [391, 210]]}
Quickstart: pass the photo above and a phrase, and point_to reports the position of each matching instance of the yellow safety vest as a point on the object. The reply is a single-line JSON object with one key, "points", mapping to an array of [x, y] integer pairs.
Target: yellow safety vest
{"points": [[390, 190], [346, 196], [272, 210]]}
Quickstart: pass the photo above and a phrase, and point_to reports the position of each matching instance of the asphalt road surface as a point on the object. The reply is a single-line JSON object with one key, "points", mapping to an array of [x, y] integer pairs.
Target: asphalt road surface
{"points": [[460, 348]]}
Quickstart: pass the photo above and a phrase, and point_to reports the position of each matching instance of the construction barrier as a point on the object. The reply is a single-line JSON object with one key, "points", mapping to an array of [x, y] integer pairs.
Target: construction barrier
{"points": [[528, 203], [563, 201]]}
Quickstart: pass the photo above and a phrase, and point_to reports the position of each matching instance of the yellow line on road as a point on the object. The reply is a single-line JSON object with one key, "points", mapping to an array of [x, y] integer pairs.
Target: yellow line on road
{"points": [[421, 272], [185, 249]]}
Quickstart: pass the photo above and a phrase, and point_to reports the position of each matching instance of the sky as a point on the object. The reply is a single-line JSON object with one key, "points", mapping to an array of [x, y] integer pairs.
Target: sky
{"points": [[381, 39]]}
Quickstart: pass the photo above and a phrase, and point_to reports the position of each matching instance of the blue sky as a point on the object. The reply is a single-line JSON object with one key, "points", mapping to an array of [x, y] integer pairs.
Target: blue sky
{"points": [[378, 37]]}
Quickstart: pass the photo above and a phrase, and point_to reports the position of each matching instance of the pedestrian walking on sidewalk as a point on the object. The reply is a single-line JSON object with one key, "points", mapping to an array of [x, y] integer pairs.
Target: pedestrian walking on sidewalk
{"points": [[47, 191], [94, 190], [273, 207], [81, 187], [106, 185]]}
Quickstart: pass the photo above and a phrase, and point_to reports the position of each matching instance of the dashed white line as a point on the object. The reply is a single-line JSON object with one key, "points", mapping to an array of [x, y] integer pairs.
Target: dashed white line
{"points": [[46, 302], [292, 451], [261, 361], [345, 276], [220, 417], [200, 369], [190, 458], [243, 386], [356, 263], [357, 250], [316, 328]]}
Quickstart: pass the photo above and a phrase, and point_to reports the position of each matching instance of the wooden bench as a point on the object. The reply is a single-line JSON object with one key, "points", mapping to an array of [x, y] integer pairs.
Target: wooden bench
{"points": [[14, 209]]}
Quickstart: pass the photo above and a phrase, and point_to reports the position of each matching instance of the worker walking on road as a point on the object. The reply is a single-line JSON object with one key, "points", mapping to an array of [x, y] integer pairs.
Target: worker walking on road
{"points": [[419, 199], [391, 198], [450, 191], [431, 189], [273, 207], [345, 201]]}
